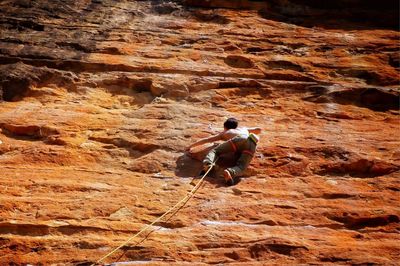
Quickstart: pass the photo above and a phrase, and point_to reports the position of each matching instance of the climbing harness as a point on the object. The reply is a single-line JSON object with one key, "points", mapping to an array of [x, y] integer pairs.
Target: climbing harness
{"points": [[181, 203], [234, 148]]}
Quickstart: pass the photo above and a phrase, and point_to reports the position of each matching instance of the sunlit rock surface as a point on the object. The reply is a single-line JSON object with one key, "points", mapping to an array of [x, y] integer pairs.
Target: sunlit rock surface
{"points": [[101, 98]]}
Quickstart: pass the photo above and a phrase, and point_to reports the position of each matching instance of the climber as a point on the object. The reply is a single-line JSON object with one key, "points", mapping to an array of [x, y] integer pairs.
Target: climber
{"points": [[241, 141]]}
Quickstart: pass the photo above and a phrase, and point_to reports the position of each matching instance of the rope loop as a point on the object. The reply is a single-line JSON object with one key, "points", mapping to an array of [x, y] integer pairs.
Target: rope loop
{"points": [[184, 200]]}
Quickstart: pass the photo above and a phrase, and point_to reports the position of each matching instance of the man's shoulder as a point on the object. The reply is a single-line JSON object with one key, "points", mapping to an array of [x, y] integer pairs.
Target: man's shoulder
{"points": [[229, 131], [225, 135], [232, 131]]}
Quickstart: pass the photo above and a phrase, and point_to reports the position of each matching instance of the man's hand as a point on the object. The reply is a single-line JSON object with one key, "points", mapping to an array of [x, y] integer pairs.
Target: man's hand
{"points": [[255, 130]]}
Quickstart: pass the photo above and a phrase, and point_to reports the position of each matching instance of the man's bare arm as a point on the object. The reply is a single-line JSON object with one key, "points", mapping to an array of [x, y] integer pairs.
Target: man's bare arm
{"points": [[206, 140], [255, 130]]}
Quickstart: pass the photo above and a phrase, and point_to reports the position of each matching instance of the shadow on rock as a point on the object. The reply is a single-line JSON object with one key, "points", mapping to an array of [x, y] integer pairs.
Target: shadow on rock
{"points": [[356, 14], [377, 99], [187, 166]]}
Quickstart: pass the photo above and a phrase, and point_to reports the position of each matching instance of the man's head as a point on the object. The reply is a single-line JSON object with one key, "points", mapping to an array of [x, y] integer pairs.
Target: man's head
{"points": [[230, 123]]}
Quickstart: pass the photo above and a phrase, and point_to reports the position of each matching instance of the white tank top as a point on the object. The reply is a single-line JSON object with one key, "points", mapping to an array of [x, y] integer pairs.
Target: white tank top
{"points": [[231, 133]]}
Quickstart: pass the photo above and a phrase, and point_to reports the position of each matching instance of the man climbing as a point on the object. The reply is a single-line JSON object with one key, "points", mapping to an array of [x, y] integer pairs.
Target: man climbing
{"points": [[241, 141]]}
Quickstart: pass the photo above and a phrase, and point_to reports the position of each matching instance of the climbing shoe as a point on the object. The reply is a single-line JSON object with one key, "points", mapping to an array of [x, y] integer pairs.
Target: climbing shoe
{"points": [[228, 178], [202, 173]]}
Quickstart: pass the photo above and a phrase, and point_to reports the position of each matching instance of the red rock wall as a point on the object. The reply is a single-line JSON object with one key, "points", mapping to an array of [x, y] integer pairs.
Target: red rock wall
{"points": [[101, 98]]}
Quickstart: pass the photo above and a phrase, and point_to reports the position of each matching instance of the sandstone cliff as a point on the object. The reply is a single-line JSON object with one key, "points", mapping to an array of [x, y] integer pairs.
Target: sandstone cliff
{"points": [[101, 98]]}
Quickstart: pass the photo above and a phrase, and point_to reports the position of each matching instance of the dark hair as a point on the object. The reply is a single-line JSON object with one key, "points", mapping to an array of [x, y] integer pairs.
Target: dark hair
{"points": [[231, 123]]}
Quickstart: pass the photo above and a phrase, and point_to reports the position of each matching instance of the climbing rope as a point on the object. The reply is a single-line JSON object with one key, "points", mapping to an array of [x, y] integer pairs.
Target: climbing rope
{"points": [[184, 200]]}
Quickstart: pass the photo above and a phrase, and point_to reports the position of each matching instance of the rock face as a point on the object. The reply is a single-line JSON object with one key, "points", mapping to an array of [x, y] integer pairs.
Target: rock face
{"points": [[101, 98], [311, 13]]}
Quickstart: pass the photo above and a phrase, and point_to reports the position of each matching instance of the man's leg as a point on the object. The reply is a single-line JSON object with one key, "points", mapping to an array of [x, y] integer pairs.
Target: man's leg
{"points": [[223, 148], [241, 164]]}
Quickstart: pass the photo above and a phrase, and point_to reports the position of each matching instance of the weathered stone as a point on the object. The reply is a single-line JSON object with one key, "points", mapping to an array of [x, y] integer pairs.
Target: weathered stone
{"points": [[16, 79], [239, 61], [169, 89], [210, 16]]}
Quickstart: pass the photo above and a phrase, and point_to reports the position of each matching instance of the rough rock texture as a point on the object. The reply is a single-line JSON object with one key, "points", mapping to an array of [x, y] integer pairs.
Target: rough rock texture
{"points": [[348, 14], [101, 98]]}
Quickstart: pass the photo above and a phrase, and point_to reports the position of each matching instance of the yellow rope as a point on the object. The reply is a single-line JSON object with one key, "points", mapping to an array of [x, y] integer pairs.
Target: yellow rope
{"points": [[185, 199]]}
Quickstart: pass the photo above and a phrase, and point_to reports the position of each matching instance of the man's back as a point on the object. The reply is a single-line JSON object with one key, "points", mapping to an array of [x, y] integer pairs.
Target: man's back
{"points": [[231, 133]]}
